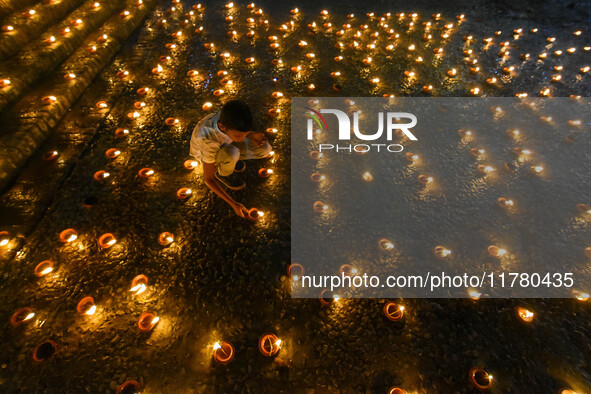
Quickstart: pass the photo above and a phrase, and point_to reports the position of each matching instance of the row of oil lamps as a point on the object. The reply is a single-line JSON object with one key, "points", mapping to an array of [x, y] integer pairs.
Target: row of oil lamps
{"points": [[426, 88], [269, 344]]}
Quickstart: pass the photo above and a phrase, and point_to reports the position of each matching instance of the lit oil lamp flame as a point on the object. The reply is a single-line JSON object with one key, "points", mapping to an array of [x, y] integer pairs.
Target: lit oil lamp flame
{"points": [[46, 270], [139, 288], [217, 346], [474, 294], [525, 314]]}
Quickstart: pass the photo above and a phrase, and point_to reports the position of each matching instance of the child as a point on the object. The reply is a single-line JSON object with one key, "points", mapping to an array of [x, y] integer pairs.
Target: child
{"points": [[221, 141]]}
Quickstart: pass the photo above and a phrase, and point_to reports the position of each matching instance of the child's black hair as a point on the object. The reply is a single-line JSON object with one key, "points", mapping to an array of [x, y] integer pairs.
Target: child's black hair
{"points": [[236, 115]]}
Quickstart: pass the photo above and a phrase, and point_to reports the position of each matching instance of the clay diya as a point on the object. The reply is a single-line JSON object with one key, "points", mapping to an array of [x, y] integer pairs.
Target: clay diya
{"points": [[223, 352], [147, 321], [269, 344], [393, 311], [44, 351]]}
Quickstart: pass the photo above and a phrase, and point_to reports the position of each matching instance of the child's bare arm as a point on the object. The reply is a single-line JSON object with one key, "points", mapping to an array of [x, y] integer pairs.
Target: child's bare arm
{"points": [[209, 177]]}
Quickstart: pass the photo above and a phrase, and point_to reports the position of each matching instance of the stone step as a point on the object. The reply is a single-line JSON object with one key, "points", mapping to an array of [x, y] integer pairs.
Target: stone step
{"points": [[28, 198], [31, 120], [40, 57], [28, 27]]}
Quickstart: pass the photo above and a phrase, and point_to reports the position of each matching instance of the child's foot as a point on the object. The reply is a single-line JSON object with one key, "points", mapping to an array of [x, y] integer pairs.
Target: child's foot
{"points": [[240, 166], [232, 182]]}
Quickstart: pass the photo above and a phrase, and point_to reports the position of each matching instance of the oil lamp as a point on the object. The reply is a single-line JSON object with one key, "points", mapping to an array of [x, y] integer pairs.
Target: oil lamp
{"points": [[315, 155], [480, 378], [254, 214], [86, 306], [70, 76], [424, 179], [265, 172], [190, 164], [385, 244], [143, 91], [348, 270], [320, 207], [157, 70], [4, 238], [524, 314], [102, 105], [44, 351], [183, 193], [581, 296], [147, 321], [21, 316], [207, 106], [129, 387], [441, 251], [505, 203], [452, 73], [393, 311], [223, 352], [295, 271], [121, 132], [139, 284], [317, 177], [51, 155], [165, 238], [146, 173], [485, 169], [327, 297], [123, 74], [171, 121], [269, 344], [49, 100], [476, 152], [537, 170], [474, 294], [396, 390], [68, 235], [43, 268], [107, 240], [497, 252], [7, 28]]}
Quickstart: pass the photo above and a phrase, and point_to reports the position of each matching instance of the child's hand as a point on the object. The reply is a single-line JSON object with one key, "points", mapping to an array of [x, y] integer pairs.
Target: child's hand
{"points": [[258, 138], [240, 210]]}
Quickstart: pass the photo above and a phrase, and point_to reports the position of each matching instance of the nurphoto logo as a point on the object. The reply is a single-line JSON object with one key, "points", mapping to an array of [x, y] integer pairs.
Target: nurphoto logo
{"points": [[402, 121]]}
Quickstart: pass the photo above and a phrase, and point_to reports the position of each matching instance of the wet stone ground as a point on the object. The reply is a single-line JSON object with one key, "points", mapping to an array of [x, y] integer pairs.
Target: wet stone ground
{"points": [[224, 278]]}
